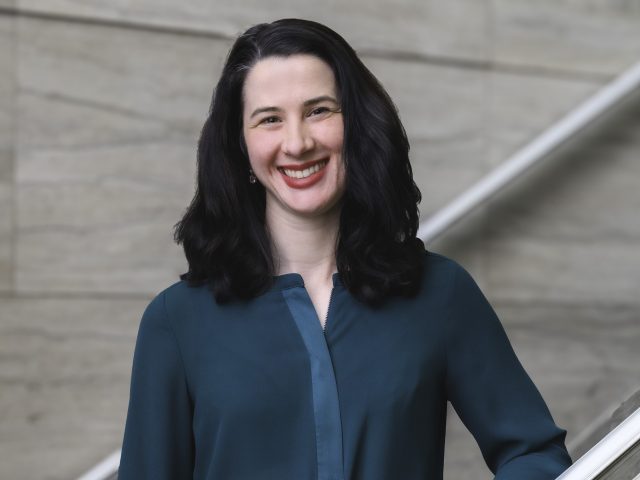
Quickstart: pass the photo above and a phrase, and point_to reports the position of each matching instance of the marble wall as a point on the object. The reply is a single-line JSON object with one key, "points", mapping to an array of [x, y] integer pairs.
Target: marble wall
{"points": [[101, 103]]}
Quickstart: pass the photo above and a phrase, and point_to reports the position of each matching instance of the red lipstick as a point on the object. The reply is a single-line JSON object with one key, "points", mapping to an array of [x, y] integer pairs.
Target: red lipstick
{"points": [[306, 181]]}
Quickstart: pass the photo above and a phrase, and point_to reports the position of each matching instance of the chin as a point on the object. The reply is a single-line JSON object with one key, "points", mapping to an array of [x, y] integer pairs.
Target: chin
{"points": [[310, 209]]}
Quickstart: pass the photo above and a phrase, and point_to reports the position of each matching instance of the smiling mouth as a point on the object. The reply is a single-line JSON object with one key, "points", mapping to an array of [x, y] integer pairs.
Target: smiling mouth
{"points": [[307, 172]]}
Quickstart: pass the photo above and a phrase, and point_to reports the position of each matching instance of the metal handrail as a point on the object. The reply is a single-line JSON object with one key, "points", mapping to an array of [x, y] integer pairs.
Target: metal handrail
{"points": [[606, 451], [531, 154], [106, 469]]}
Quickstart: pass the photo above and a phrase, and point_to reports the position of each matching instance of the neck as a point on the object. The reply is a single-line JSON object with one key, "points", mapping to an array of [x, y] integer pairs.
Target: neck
{"points": [[305, 245]]}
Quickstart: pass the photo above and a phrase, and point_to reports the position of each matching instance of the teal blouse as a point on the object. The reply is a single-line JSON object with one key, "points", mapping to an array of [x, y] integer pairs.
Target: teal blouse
{"points": [[259, 390]]}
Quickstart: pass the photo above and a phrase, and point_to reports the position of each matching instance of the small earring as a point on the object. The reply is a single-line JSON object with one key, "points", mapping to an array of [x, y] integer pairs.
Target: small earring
{"points": [[252, 177]]}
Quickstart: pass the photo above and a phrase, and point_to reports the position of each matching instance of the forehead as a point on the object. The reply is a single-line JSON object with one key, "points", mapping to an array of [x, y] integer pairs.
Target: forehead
{"points": [[279, 80]]}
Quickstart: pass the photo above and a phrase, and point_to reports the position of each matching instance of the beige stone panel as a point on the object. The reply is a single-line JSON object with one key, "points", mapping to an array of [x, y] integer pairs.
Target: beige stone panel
{"points": [[514, 109], [6, 236], [583, 358], [441, 29], [8, 3], [151, 77], [109, 120], [64, 382], [593, 37], [104, 223], [8, 93], [58, 124], [569, 229], [586, 192], [441, 181], [440, 105], [520, 107], [584, 195], [560, 271]]}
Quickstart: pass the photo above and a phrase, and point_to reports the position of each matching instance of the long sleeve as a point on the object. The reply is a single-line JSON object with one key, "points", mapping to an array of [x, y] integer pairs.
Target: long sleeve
{"points": [[158, 441], [493, 395]]}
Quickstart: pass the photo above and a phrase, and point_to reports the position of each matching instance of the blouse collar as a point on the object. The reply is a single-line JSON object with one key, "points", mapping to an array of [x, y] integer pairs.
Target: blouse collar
{"points": [[294, 279]]}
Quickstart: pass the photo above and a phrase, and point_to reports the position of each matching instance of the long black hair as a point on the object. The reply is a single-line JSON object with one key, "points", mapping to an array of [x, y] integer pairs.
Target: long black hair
{"points": [[223, 230]]}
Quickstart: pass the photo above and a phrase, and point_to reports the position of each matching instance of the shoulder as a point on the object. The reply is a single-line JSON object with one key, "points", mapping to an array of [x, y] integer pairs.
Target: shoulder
{"points": [[182, 293], [442, 273], [467, 311], [439, 262], [175, 302], [439, 287], [178, 291], [453, 287]]}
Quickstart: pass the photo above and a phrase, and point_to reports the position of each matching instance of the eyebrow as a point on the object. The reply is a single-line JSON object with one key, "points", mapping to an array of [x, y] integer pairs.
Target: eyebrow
{"points": [[311, 101]]}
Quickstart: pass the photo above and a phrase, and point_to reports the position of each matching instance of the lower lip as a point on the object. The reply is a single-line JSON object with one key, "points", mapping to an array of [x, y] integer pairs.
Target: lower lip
{"points": [[304, 182]]}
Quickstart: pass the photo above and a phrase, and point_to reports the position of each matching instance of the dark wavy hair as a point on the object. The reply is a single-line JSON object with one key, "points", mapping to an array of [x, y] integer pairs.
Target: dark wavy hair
{"points": [[223, 230]]}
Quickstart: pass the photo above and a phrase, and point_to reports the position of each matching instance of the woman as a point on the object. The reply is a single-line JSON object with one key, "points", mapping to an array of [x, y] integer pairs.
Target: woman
{"points": [[313, 337]]}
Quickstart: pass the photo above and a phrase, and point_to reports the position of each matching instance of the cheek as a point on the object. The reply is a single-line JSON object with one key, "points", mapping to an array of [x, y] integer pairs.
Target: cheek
{"points": [[258, 149], [333, 135], [339, 140]]}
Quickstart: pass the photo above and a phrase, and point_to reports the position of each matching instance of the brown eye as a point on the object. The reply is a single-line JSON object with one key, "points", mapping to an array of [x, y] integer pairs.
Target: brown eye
{"points": [[318, 111], [269, 120]]}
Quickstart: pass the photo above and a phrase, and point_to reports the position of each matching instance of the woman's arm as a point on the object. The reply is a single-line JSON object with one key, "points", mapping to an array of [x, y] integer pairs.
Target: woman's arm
{"points": [[494, 396], [158, 441]]}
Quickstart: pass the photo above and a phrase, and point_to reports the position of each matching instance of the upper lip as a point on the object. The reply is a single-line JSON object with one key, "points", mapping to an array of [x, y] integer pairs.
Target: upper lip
{"points": [[302, 166]]}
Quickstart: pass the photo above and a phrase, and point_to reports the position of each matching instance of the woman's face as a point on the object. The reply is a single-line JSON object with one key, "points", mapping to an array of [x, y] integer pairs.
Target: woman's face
{"points": [[293, 130]]}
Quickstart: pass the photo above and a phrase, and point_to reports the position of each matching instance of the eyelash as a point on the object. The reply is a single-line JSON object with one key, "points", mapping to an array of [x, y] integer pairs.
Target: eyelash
{"points": [[266, 119], [318, 110], [322, 109]]}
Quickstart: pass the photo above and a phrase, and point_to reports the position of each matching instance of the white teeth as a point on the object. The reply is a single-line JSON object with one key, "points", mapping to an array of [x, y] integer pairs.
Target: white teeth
{"points": [[304, 173]]}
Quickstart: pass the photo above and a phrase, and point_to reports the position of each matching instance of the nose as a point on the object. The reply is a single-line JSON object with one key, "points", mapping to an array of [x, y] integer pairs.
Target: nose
{"points": [[298, 140]]}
